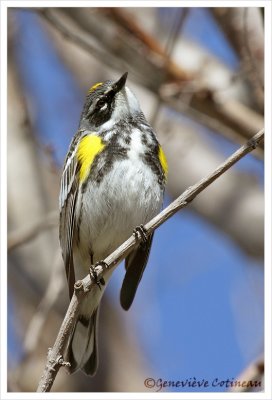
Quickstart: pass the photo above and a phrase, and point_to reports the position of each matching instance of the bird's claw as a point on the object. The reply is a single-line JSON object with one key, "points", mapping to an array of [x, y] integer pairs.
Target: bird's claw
{"points": [[93, 273], [140, 233]]}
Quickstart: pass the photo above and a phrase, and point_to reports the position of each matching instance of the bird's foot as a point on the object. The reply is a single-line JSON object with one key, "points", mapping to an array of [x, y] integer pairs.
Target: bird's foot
{"points": [[140, 233], [93, 273]]}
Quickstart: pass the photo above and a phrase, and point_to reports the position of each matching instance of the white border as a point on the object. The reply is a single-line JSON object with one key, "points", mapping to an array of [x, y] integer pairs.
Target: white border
{"points": [[268, 202], [268, 106], [3, 199], [138, 3]]}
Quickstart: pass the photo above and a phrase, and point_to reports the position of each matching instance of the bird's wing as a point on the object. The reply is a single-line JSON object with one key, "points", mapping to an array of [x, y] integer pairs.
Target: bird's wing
{"points": [[135, 266], [67, 203]]}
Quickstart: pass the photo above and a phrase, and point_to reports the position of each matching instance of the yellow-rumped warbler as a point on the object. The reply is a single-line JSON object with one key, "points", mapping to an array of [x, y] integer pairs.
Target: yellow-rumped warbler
{"points": [[113, 181]]}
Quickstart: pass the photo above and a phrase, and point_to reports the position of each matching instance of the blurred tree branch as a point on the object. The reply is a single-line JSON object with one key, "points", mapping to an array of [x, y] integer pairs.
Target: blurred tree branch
{"points": [[237, 24], [27, 196], [55, 359], [52, 292], [126, 45], [27, 232], [178, 25], [86, 29]]}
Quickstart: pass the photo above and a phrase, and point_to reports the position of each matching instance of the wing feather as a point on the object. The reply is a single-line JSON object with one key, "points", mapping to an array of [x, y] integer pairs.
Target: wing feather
{"points": [[67, 203]]}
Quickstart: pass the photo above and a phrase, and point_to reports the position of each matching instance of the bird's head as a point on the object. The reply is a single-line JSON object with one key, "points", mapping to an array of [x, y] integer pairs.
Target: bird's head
{"points": [[108, 103]]}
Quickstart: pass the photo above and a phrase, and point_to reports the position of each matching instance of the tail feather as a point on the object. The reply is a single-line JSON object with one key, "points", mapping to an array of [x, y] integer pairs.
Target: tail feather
{"points": [[82, 349], [135, 266]]}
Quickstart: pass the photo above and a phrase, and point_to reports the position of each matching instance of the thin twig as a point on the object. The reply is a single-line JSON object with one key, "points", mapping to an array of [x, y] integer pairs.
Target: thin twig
{"points": [[55, 358]]}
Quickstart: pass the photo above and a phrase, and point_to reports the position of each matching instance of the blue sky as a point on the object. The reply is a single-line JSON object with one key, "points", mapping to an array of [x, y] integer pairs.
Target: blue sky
{"points": [[186, 314]]}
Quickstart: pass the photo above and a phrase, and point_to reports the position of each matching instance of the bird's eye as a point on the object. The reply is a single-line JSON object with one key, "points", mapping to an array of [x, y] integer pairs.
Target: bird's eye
{"points": [[101, 103]]}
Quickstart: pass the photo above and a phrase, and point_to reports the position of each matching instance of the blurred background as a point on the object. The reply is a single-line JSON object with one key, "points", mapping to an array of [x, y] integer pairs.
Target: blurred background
{"points": [[198, 75]]}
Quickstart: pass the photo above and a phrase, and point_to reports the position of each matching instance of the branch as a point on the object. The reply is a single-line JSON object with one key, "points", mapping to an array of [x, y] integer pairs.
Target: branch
{"points": [[55, 358]]}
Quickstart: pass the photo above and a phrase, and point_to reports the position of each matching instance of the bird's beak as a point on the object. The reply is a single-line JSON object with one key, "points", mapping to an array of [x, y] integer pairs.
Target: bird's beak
{"points": [[118, 85]]}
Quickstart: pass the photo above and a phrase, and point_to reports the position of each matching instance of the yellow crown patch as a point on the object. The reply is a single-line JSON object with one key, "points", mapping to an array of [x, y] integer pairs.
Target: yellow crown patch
{"points": [[95, 87]]}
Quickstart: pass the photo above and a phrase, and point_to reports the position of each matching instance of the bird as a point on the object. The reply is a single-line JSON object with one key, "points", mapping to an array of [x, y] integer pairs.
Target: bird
{"points": [[112, 183]]}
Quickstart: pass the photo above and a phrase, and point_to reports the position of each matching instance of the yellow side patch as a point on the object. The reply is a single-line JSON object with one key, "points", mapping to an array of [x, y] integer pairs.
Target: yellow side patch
{"points": [[163, 161], [89, 147], [95, 87]]}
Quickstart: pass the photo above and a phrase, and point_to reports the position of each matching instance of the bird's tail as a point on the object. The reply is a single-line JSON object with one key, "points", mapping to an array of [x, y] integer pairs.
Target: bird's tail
{"points": [[82, 349]]}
